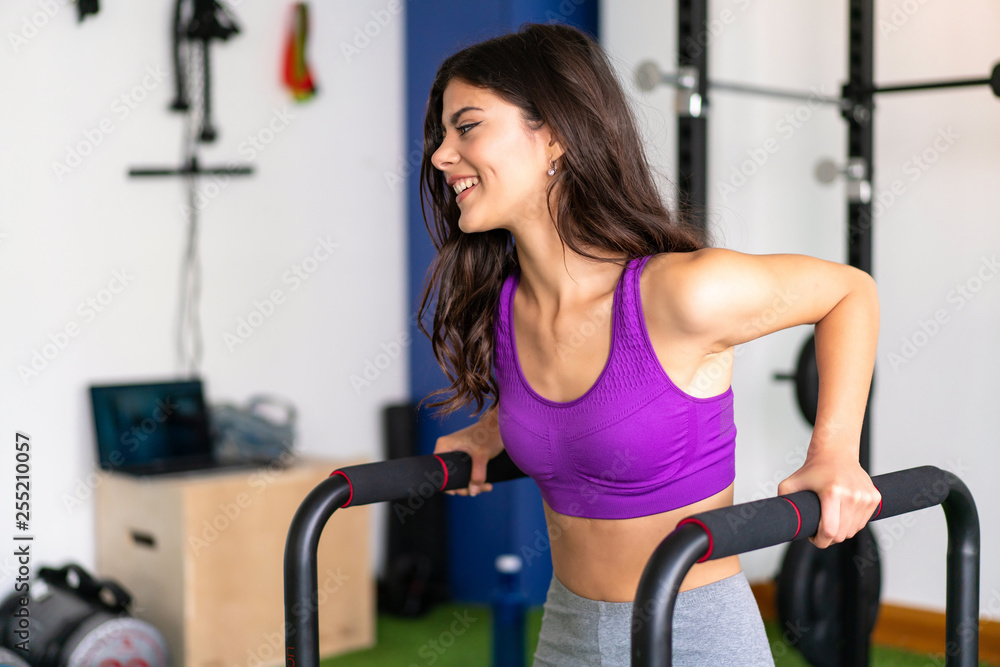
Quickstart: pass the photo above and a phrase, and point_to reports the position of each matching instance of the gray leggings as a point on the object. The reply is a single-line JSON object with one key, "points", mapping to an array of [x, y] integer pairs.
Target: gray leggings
{"points": [[716, 625]]}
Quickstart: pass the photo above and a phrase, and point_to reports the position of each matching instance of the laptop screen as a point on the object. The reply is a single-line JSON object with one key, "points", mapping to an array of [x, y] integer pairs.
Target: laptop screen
{"points": [[151, 426]]}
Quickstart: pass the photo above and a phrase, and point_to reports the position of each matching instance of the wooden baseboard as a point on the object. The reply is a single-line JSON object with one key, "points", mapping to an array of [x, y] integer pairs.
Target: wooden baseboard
{"points": [[901, 627]]}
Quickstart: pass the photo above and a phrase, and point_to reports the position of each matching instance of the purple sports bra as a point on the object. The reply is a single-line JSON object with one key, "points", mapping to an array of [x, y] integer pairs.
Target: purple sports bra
{"points": [[634, 443]]}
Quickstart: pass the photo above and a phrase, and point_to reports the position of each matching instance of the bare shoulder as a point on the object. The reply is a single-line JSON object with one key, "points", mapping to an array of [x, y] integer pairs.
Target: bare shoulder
{"points": [[678, 279], [671, 279], [686, 291], [728, 297]]}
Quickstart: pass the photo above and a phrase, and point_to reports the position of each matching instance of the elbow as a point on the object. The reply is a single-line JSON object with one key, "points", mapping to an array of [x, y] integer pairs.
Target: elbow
{"points": [[867, 288], [868, 284]]}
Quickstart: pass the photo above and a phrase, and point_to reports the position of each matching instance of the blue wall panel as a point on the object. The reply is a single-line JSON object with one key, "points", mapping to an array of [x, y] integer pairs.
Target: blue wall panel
{"points": [[509, 519]]}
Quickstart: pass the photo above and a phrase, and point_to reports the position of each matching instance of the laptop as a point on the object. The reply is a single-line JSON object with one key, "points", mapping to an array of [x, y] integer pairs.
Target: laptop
{"points": [[154, 428]]}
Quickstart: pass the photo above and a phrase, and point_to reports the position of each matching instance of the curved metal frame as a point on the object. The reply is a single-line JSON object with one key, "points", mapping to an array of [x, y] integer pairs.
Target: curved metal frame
{"points": [[704, 536]]}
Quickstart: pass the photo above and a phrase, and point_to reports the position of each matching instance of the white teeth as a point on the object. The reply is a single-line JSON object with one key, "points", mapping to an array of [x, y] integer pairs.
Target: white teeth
{"points": [[465, 184]]}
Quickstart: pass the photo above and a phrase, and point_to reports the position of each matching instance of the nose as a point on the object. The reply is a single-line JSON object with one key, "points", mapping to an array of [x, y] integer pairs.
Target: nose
{"points": [[443, 157]]}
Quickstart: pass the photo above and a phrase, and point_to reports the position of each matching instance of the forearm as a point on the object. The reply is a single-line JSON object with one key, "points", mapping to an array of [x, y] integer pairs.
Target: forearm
{"points": [[846, 341]]}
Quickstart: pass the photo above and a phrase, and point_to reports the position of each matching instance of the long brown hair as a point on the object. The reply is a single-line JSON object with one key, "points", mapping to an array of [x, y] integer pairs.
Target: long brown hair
{"points": [[606, 198]]}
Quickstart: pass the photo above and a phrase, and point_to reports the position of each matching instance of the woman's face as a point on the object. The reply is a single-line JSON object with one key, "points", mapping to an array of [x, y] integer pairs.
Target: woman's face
{"points": [[491, 143]]}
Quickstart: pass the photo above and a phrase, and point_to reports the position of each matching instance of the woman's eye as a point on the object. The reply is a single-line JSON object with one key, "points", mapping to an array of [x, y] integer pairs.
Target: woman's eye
{"points": [[465, 128]]}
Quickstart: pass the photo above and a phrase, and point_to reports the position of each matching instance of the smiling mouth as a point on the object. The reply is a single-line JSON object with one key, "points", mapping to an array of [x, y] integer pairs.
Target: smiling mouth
{"points": [[465, 192]]}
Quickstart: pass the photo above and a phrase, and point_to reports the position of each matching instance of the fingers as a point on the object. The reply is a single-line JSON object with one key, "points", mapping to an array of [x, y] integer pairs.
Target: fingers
{"points": [[473, 489], [479, 487], [843, 516], [829, 522]]}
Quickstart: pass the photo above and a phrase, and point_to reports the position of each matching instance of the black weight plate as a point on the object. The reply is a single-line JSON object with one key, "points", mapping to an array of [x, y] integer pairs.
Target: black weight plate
{"points": [[810, 595], [807, 380]]}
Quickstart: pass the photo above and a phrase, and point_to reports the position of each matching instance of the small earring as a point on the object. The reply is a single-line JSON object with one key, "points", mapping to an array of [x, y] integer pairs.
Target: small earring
{"points": [[552, 168]]}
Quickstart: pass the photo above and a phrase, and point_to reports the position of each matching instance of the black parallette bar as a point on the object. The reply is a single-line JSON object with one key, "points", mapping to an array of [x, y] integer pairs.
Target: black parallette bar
{"points": [[770, 521], [902, 491], [419, 476], [653, 611], [301, 580]]}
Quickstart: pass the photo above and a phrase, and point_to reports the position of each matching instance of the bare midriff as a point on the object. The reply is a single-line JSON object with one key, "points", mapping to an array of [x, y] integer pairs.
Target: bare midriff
{"points": [[603, 559]]}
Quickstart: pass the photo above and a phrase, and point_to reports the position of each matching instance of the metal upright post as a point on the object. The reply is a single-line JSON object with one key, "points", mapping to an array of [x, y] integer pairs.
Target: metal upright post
{"points": [[692, 125], [860, 145]]}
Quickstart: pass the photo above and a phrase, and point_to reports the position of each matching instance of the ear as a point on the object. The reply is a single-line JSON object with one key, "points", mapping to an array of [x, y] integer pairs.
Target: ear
{"points": [[554, 149], [557, 150]]}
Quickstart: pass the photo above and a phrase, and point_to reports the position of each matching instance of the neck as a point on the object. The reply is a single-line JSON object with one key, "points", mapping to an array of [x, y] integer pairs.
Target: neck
{"points": [[556, 279]]}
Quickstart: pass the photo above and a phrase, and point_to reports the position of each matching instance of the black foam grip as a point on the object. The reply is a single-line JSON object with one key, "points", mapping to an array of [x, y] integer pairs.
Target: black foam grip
{"points": [[419, 476], [995, 80], [769, 521]]}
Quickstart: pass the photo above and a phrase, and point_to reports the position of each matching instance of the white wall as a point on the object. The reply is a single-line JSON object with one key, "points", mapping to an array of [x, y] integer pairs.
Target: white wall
{"points": [[939, 406], [62, 240]]}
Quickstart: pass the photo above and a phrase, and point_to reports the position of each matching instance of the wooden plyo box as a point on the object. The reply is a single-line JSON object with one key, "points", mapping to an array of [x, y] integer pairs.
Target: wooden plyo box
{"points": [[202, 555]]}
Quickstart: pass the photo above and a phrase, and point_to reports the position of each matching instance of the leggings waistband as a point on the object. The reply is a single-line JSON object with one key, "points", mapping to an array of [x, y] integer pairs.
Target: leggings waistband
{"points": [[715, 589]]}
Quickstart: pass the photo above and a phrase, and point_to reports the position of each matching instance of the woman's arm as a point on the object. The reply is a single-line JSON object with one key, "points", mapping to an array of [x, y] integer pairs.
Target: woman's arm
{"points": [[727, 298]]}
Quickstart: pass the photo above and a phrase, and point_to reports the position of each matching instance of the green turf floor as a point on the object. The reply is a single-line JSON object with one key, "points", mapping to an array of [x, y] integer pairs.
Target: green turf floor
{"points": [[459, 636]]}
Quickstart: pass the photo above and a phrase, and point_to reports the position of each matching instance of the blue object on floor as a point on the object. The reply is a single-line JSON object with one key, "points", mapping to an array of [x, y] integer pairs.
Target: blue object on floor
{"points": [[509, 610]]}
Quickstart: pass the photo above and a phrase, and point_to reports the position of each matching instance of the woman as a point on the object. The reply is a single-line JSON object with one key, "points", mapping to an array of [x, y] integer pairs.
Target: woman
{"points": [[603, 330]]}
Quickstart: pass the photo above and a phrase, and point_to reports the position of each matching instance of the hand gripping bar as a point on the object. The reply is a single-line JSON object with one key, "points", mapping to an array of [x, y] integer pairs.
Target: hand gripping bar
{"points": [[771, 521]]}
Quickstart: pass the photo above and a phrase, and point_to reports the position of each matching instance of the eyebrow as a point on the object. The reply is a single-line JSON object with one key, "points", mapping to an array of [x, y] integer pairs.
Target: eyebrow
{"points": [[455, 116]]}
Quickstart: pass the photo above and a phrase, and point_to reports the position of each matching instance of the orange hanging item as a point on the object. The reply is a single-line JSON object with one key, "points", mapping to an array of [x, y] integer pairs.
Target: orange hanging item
{"points": [[297, 76]]}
